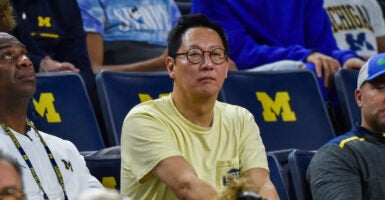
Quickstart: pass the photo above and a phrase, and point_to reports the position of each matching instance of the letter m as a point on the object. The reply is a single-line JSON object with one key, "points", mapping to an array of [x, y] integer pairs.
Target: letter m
{"points": [[46, 108], [273, 108], [44, 21], [145, 97]]}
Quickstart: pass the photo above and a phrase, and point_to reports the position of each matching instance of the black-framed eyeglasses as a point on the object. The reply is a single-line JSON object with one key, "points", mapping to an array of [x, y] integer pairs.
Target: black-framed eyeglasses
{"points": [[7, 192], [195, 56]]}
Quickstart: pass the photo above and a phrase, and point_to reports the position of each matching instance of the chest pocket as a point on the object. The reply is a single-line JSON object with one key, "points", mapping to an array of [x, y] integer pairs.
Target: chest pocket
{"points": [[224, 168]]}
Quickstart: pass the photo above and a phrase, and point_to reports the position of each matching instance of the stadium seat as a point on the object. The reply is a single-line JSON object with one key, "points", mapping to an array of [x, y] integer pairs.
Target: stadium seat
{"points": [[105, 166], [120, 91], [298, 163], [61, 107], [277, 177], [346, 84], [287, 106]]}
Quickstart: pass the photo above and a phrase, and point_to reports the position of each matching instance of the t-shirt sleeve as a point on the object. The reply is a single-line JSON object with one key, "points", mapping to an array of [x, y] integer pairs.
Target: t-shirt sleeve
{"points": [[145, 142], [252, 150], [92, 16], [333, 174]]}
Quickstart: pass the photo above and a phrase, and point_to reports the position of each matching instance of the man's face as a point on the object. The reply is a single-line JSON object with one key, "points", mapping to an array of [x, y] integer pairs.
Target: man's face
{"points": [[371, 99], [203, 79], [10, 182], [17, 75]]}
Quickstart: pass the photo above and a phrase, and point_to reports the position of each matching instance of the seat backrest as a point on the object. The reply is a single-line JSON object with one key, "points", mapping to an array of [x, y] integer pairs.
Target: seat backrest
{"points": [[61, 107], [120, 91], [106, 168], [346, 84], [287, 106], [298, 163], [277, 177]]}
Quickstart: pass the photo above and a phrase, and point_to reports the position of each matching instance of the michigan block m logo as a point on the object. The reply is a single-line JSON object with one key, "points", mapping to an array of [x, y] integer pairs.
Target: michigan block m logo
{"points": [[46, 108], [280, 106], [145, 97], [44, 21]]}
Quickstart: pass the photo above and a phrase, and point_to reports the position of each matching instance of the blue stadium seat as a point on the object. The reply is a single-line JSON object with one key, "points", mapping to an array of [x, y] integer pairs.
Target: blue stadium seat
{"points": [[105, 166], [277, 177], [287, 106], [298, 163], [120, 91], [61, 107], [346, 84]]}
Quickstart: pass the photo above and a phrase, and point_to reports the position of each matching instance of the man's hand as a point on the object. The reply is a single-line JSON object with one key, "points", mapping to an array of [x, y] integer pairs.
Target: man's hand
{"points": [[49, 65], [325, 66]]}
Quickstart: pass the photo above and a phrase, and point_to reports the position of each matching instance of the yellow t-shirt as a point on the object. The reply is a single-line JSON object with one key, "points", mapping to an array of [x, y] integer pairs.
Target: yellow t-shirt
{"points": [[155, 130]]}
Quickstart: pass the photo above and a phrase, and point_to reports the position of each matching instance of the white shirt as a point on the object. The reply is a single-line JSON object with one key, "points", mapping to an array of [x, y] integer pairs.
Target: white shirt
{"points": [[356, 24], [76, 175]]}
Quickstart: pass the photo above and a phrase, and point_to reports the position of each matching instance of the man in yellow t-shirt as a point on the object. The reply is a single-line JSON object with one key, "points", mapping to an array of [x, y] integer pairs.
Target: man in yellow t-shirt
{"points": [[183, 145]]}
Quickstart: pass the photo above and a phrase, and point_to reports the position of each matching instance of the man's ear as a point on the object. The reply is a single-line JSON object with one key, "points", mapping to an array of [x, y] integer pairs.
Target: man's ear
{"points": [[358, 97], [170, 66]]}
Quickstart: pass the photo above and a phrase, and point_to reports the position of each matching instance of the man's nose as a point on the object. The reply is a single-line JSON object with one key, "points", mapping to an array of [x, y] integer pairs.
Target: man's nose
{"points": [[207, 58], [24, 61]]}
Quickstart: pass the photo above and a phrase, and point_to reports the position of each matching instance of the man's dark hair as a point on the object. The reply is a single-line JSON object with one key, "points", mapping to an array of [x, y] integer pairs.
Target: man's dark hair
{"points": [[191, 21]]}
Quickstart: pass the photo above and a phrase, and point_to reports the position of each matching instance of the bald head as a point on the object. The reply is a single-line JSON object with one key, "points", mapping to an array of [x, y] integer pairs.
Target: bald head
{"points": [[7, 38]]}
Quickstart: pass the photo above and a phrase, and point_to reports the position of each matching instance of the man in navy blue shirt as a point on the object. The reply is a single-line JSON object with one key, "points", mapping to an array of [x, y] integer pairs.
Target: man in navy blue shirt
{"points": [[351, 166]]}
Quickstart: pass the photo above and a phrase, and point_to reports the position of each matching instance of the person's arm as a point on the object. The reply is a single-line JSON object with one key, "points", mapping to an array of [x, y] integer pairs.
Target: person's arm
{"points": [[96, 53], [181, 178], [353, 63], [47, 64], [245, 49], [261, 184], [333, 174], [253, 158], [73, 47], [381, 44], [325, 66]]}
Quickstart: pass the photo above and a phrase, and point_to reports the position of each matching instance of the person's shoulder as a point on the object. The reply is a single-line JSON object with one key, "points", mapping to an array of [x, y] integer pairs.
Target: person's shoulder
{"points": [[230, 109], [336, 146], [337, 140], [342, 140], [151, 106], [53, 140]]}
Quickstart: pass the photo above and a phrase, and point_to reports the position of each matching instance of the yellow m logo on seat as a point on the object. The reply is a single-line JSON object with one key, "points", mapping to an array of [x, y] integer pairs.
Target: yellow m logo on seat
{"points": [[46, 108], [273, 108], [145, 97], [109, 182]]}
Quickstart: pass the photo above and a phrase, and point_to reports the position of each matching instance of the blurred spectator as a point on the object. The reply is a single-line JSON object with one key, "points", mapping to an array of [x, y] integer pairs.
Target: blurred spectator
{"points": [[357, 25], [128, 35], [7, 21], [262, 32], [53, 34], [11, 186]]}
